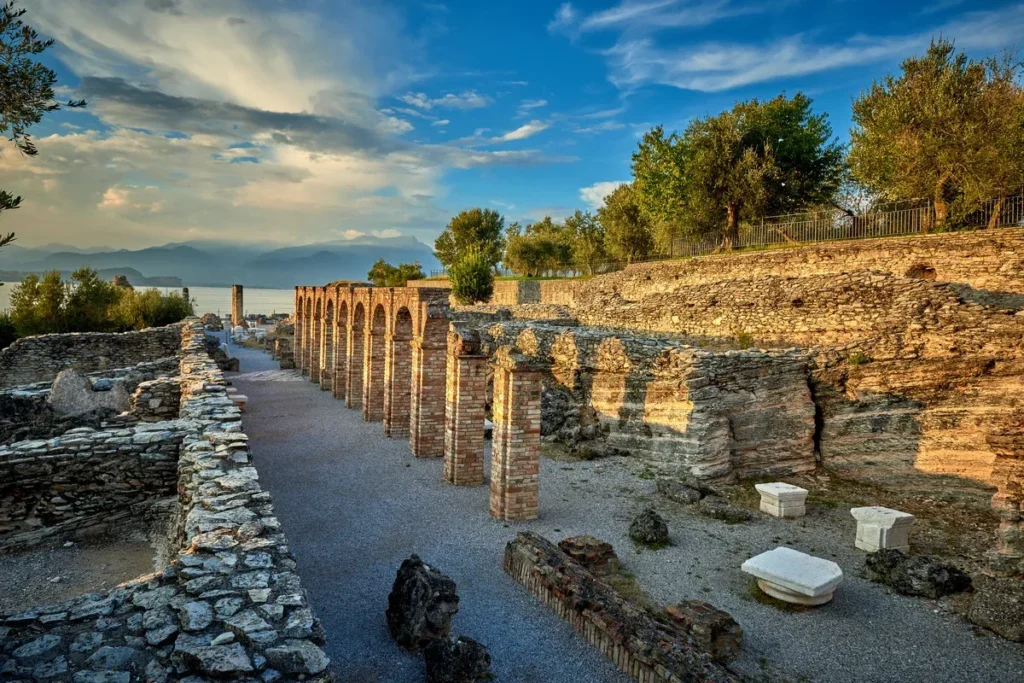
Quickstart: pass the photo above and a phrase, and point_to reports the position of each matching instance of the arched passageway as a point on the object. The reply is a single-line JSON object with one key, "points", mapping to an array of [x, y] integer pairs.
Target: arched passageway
{"points": [[327, 348], [373, 384], [357, 330], [398, 376], [340, 371]]}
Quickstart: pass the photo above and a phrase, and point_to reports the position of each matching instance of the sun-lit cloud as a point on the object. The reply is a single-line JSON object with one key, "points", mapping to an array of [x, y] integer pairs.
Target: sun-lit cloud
{"points": [[469, 99], [593, 195]]}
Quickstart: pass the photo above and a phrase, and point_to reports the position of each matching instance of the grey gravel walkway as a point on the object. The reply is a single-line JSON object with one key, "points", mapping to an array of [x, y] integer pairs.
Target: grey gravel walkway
{"points": [[354, 504]]}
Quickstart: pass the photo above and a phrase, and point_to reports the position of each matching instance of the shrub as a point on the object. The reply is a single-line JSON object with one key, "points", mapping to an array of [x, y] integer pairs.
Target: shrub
{"points": [[8, 333], [472, 278]]}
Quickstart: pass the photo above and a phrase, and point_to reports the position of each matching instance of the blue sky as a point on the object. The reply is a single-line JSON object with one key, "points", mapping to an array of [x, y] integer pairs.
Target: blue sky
{"points": [[303, 121]]}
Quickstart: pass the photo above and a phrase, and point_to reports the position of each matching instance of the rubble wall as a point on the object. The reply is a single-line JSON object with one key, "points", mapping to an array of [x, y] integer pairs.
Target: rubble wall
{"points": [[229, 606], [41, 358]]}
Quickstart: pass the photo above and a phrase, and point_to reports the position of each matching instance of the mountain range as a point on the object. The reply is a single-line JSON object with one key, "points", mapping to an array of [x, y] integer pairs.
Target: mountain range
{"points": [[215, 264]]}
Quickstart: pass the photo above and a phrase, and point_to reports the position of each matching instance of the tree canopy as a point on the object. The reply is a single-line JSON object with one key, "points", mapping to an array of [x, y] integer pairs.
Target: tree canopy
{"points": [[949, 128], [627, 230], [26, 89], [476, 230], [539, 248], [472, 277], [383, 274]]}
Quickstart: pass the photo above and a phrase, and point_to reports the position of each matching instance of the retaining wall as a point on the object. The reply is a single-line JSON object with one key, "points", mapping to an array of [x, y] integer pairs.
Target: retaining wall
{"points": [[41, 358]]}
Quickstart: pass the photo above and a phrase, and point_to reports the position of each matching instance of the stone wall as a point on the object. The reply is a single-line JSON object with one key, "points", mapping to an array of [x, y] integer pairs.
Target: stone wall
{"points": [[41, 358], [156, 400], [683, 409], [85, 477], [229, 605], [641, 646]]}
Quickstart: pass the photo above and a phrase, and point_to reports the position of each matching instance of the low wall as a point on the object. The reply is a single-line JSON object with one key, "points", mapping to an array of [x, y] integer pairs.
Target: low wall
{"points": [[41, 358], [642, 647], [711, 414], [229, 606]]}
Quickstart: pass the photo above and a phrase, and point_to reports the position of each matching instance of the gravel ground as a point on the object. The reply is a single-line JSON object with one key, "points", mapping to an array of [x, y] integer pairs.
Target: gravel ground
{"points": [[354, 504], [54, 572]]}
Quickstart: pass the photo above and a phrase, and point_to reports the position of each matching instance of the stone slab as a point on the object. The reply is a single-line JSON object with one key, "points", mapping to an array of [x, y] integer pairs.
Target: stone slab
{"points": [[882, 528], [792, 574]]}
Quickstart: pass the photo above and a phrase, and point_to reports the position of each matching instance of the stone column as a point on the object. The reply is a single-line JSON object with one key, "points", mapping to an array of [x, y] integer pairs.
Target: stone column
{"points": [[397, 385], [515, 456], [326, 354], [314, 351], [307, 340], [184, 294], [465, 408], [237, 310], [340, 360], [1007, 442]]}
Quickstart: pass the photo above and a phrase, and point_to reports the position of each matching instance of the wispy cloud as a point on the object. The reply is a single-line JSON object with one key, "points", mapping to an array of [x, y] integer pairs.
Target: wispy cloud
{"points": [[638, 16], [441, 122], [468, 99], [603, 127], [522, 132], [527, 106]]}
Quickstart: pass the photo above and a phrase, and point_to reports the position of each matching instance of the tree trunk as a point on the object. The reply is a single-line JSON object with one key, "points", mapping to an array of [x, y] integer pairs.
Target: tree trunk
{"points": [[732, 226], [993, 220], [941, 205]]}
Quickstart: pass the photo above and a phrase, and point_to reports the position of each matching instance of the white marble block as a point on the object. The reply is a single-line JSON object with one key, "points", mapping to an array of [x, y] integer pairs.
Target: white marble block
{"points": [[793, 576], [879, 528], [782, 500]]}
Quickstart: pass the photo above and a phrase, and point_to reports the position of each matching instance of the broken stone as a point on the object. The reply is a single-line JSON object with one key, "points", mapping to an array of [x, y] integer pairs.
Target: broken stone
{"points": [[793, 576], [41, 648], [714, 630], [101, 677], [717, 508], [86, 642], [227, 607], [52, 669], [300, 624], [593, 553], [161, 634], [109, 658], [461, 661], [678, 492], [648, 528], [297, 657], [222, 660], [195, 616], [421, 604], [916, 574]]}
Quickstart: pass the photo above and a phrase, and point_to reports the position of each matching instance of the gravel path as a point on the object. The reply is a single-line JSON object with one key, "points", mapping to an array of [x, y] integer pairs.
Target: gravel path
{"points": [[354, 504]]}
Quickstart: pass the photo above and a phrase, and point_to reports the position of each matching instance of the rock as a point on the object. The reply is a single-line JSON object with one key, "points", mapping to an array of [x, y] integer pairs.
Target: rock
{"points": [[300, 624], [221, 660], [72, 394], [461, 661], [648, 528], [714, 630], [421, 604], [109, 658], [678, 492], [86, 642], [297, 657], [998, 605], [101, 677], [52, 669], [717, 508], [43, 647], [915, 574], [195, 616], [593, 553]]}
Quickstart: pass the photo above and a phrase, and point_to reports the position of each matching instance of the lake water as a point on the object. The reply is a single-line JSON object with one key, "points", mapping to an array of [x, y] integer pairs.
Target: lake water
{"points": [[214, 299]]}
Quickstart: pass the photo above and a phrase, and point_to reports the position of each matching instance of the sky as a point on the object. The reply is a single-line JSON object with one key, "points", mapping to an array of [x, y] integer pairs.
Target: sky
{"points": [[301, 121]]}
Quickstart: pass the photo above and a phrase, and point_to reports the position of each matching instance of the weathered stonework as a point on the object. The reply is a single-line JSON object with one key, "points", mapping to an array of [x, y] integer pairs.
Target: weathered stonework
{"points": [[237, 308], [515, 456], [41, 358], [465, 408], [156, 400]]}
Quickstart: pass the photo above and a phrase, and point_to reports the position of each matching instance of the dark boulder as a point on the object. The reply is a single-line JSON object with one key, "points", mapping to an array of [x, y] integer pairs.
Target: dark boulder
{"points": [[648, 528], [421, 605], [460, 661], [916, 574]]}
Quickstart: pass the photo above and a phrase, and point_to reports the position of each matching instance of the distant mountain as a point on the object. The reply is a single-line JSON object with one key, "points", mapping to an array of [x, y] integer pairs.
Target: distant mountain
{"points": [[135, 278], [221, 263]]}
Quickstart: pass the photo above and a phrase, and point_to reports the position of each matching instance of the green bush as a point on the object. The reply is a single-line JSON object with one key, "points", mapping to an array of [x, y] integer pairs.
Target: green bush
{"points": [[472, 278], [8, 333]]}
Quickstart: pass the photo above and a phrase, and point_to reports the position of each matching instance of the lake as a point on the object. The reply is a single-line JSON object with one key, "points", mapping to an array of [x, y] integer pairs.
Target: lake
{"points": [[214, 299]]}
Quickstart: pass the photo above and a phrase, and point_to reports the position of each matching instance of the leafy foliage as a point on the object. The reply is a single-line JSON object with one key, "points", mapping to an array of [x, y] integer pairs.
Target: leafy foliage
{"points": [[88, 304], [586, 235], [472, 277], [383, 274], [540, 248], [26, 88], [627, 230], [949, 128], [476, 230]]}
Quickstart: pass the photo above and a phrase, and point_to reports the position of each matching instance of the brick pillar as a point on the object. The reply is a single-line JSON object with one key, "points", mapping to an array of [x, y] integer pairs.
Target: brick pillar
{"points": [[237, 310], [354, 361], [397, 386], [515, 456], [314, 351], [307, 338], [465, 409], [297, 342], [373, 371], [340, 373], [1007, 442], [326, 354]]}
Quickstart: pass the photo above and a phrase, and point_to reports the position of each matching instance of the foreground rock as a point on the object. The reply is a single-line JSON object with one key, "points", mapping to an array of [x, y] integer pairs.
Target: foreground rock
{"points": [[648, 528], [998, 605], [460, 661], [916, 574], [421, 605], [72, 394], [714, 630]]}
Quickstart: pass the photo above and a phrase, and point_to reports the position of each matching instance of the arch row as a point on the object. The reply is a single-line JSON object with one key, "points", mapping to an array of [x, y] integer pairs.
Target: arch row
{"points": [[381, 350]]}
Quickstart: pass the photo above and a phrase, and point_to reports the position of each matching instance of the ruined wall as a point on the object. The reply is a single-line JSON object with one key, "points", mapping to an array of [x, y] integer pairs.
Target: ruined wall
{"points": [[41, 358], [83, 478], [229, 606], [683, 409]]}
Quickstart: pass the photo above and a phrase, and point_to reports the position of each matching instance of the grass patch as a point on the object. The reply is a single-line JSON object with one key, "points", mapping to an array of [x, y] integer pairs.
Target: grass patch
{"points": [[625, 584]]}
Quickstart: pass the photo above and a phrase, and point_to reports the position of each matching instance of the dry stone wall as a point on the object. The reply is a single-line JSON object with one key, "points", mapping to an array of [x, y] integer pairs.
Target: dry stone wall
{"points": [[41, 358], [229, 606]]}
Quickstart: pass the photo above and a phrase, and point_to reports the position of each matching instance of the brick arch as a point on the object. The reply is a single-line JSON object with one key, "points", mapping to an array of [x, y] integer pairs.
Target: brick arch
{"points": [[398, 375], [340, 371], [327, 346], [373, 375], [357, 349], [307, 337], [299, 331]]}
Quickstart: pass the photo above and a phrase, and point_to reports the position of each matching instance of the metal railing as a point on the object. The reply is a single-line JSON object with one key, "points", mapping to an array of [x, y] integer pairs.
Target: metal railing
{"points": [[908, 217]]}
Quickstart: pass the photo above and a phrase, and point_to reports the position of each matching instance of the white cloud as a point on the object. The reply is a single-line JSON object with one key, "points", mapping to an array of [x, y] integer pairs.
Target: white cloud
{"points": [[602, 127], [643, 16], [526, 106], [469, 99], [522, 132], [564, 19], [441, 122], [593, 195]]}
